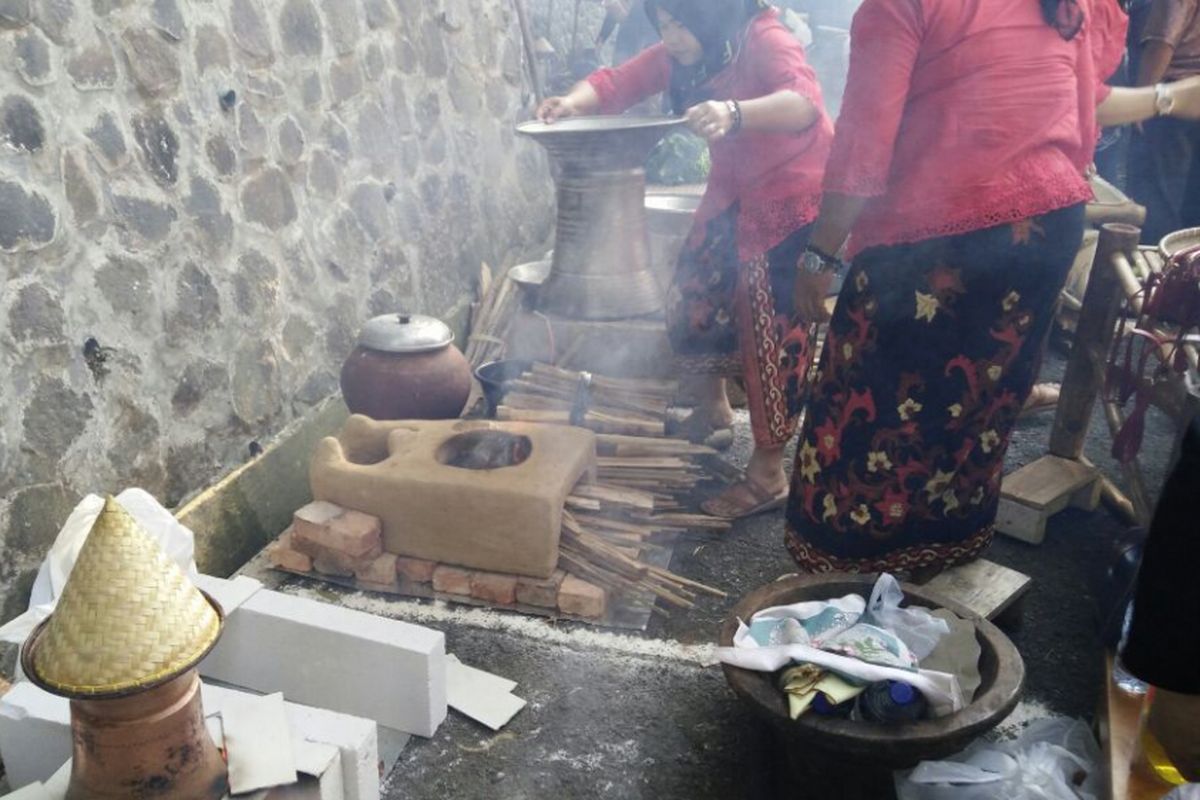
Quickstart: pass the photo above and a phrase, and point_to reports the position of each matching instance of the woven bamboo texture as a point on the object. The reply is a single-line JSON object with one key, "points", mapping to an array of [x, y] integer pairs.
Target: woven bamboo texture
{"points": [[128, 616]]}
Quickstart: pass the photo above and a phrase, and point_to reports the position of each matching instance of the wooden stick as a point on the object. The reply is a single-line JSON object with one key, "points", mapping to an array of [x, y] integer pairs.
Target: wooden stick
{"points": [[615, 495], [1084, 375], [665, 462], [687, 521], [619, 445], [676, 578], [1132, 472], [578, 503], [647, 385], [595, 421]]}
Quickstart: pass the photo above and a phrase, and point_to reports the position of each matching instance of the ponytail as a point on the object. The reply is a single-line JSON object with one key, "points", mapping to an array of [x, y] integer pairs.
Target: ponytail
{"points": [[1065, 16]]}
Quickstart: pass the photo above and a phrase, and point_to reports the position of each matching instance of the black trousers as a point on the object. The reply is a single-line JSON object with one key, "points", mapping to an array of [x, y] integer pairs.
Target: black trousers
{"points": [[1163, 175]]}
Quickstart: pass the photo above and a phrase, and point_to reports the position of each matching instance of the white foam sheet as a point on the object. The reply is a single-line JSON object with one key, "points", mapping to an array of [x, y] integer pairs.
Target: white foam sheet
{"points": [[259, 743], [483, 697]]}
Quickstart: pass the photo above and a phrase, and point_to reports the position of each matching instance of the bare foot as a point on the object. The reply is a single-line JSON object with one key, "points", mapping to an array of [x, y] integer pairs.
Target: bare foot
{"points": [[1042, 397]]}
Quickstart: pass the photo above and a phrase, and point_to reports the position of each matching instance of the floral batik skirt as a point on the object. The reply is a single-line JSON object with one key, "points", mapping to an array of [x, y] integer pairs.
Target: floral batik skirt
{"points": [[738, 319], [931, 353]]}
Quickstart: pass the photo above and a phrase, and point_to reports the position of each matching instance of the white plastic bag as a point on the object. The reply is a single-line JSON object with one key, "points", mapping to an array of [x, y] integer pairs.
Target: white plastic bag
{"points": [[1044, 763], [915, 626], [175, 539]]}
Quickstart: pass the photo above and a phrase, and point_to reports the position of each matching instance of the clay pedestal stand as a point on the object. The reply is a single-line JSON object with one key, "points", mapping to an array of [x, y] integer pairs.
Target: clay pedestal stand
{"points": [[850, 760]]}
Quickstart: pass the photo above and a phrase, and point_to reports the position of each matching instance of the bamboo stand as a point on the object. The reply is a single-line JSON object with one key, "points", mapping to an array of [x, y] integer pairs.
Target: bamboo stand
{"points": [[1064, 478]]}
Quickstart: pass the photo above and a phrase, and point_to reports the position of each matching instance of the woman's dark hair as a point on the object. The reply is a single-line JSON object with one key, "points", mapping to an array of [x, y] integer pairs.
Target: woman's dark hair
{"points": [[1065, 16], [716, 24]]}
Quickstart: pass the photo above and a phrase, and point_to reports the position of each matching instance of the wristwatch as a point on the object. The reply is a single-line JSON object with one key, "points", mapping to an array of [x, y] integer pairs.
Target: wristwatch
{"points": [[814, 262], [1164, 101]]}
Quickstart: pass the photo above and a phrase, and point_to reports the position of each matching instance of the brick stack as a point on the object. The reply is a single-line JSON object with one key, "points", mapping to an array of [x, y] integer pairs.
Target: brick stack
{"points": [[330, 540]]}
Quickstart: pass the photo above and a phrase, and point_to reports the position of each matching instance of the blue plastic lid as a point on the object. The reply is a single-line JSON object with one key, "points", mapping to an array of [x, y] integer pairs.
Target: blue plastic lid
{"points": [[902, 694]]}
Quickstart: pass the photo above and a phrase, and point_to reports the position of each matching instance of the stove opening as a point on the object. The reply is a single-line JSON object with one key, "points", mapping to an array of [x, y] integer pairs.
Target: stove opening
{"points": [[485, 450]]}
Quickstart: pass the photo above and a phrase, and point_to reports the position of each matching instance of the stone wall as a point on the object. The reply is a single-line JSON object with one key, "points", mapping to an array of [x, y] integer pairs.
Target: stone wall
{"points": [[200, 202]]}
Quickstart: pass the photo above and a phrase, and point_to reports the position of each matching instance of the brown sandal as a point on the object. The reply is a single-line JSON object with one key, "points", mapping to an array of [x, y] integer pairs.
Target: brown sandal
{"points": [[744, 499], [698, 430]]}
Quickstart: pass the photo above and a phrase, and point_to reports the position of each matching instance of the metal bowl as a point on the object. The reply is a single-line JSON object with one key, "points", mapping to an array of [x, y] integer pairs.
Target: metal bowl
{"points": [[530, 275], [495, 374], [671, 214], [600, 143], [1179, 241], [663, 203]]}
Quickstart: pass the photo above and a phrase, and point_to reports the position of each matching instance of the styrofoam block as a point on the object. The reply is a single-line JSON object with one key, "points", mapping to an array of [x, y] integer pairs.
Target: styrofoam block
{"points": [[229, 592], [321, 768], [355, 738], [31, 791], [35, 734], [331, 657]]}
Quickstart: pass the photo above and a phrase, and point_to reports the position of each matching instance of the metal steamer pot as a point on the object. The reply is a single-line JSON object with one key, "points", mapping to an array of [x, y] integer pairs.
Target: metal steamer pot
{"points": [[406, 367]]}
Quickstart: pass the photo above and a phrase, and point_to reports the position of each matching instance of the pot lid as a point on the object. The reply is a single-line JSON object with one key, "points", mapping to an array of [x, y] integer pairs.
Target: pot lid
{"points": [[405, 333]]}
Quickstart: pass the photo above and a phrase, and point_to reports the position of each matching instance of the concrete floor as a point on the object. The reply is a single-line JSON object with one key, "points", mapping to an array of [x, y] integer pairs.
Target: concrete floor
{"points": [[630, 716], [635, 715]]}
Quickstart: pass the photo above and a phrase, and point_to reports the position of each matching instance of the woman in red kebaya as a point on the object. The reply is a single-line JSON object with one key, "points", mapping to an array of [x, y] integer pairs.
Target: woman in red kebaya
{"points": [[740, 78], [957, 173]]}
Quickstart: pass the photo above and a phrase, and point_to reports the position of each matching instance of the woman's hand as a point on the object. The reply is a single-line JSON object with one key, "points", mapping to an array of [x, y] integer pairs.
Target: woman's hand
{"points": [[809, 295], [1187, 98], [712, 120], [555, 108]]}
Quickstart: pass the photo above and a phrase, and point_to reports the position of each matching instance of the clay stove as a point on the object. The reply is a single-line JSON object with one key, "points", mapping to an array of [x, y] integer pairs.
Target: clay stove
{"points": [[601, 265], [485, 495]]}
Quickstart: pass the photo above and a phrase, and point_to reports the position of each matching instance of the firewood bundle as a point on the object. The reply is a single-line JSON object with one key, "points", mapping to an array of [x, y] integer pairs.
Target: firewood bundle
{"points": [[491, 318], [627, 406], [612, 528], [634, 509], [613, 563]]}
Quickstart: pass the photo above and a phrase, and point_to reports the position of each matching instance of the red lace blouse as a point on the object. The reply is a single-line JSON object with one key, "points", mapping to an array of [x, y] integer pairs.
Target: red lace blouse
{"points": [[960, 115], [774, 177]]}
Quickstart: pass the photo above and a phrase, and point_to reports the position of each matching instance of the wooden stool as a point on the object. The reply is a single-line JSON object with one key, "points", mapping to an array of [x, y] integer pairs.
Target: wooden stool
{"points": [[992, 591]]}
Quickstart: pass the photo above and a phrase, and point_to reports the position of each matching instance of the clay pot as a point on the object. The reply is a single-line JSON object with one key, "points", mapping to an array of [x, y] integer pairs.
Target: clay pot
{"points": [[406, 367], [150, 744], [142, 743]]}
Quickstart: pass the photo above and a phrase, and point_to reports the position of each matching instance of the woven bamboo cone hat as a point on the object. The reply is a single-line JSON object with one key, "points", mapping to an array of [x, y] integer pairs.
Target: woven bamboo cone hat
{"points": [[128, 618]]}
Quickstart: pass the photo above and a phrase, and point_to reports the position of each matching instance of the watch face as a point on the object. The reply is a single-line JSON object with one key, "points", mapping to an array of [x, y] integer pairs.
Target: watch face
{"points": [[1163, 101], [813, 263]]}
